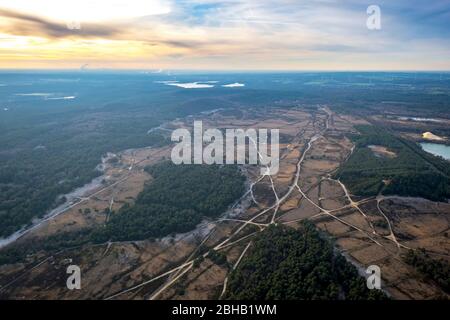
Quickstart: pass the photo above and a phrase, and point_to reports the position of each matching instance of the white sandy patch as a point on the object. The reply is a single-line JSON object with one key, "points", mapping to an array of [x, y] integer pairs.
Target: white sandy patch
{"points": [[431, 136]]}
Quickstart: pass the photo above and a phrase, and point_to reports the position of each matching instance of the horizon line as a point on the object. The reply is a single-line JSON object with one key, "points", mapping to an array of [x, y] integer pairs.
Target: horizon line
{"points": [[164, 71]]}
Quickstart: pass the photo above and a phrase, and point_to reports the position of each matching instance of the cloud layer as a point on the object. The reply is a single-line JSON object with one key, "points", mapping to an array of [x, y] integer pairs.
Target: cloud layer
{"points": [[233, 34]]}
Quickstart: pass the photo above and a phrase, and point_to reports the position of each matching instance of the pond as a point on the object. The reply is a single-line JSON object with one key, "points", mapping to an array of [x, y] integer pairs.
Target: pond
{"points": [[437, 149]]}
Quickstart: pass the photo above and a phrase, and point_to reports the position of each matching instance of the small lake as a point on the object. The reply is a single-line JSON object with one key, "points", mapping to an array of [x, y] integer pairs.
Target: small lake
{"points": [[437, 149]]}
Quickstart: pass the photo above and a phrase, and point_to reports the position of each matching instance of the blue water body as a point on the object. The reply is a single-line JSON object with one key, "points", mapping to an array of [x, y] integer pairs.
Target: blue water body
{"points": [[437, 149]]}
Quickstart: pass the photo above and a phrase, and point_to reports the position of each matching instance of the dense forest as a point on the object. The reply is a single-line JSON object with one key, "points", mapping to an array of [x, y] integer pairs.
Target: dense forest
{"points": [[50, 147], [411, 172], [179, 198], [288, 264], [33, 179], [437, 270]]}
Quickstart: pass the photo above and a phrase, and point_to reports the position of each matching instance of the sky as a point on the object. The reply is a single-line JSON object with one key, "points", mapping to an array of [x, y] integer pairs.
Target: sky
{"points": [[224, 35]]}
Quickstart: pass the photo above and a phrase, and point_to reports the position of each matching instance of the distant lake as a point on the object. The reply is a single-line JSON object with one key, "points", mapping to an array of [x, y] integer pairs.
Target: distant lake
{"points": [[437, 149]]}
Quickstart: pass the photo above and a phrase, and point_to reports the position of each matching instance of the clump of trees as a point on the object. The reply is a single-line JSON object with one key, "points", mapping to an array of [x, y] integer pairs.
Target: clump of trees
{"points": [[437, 270], [218, 258], [178, 198], [411, 173], [287, 264]]}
